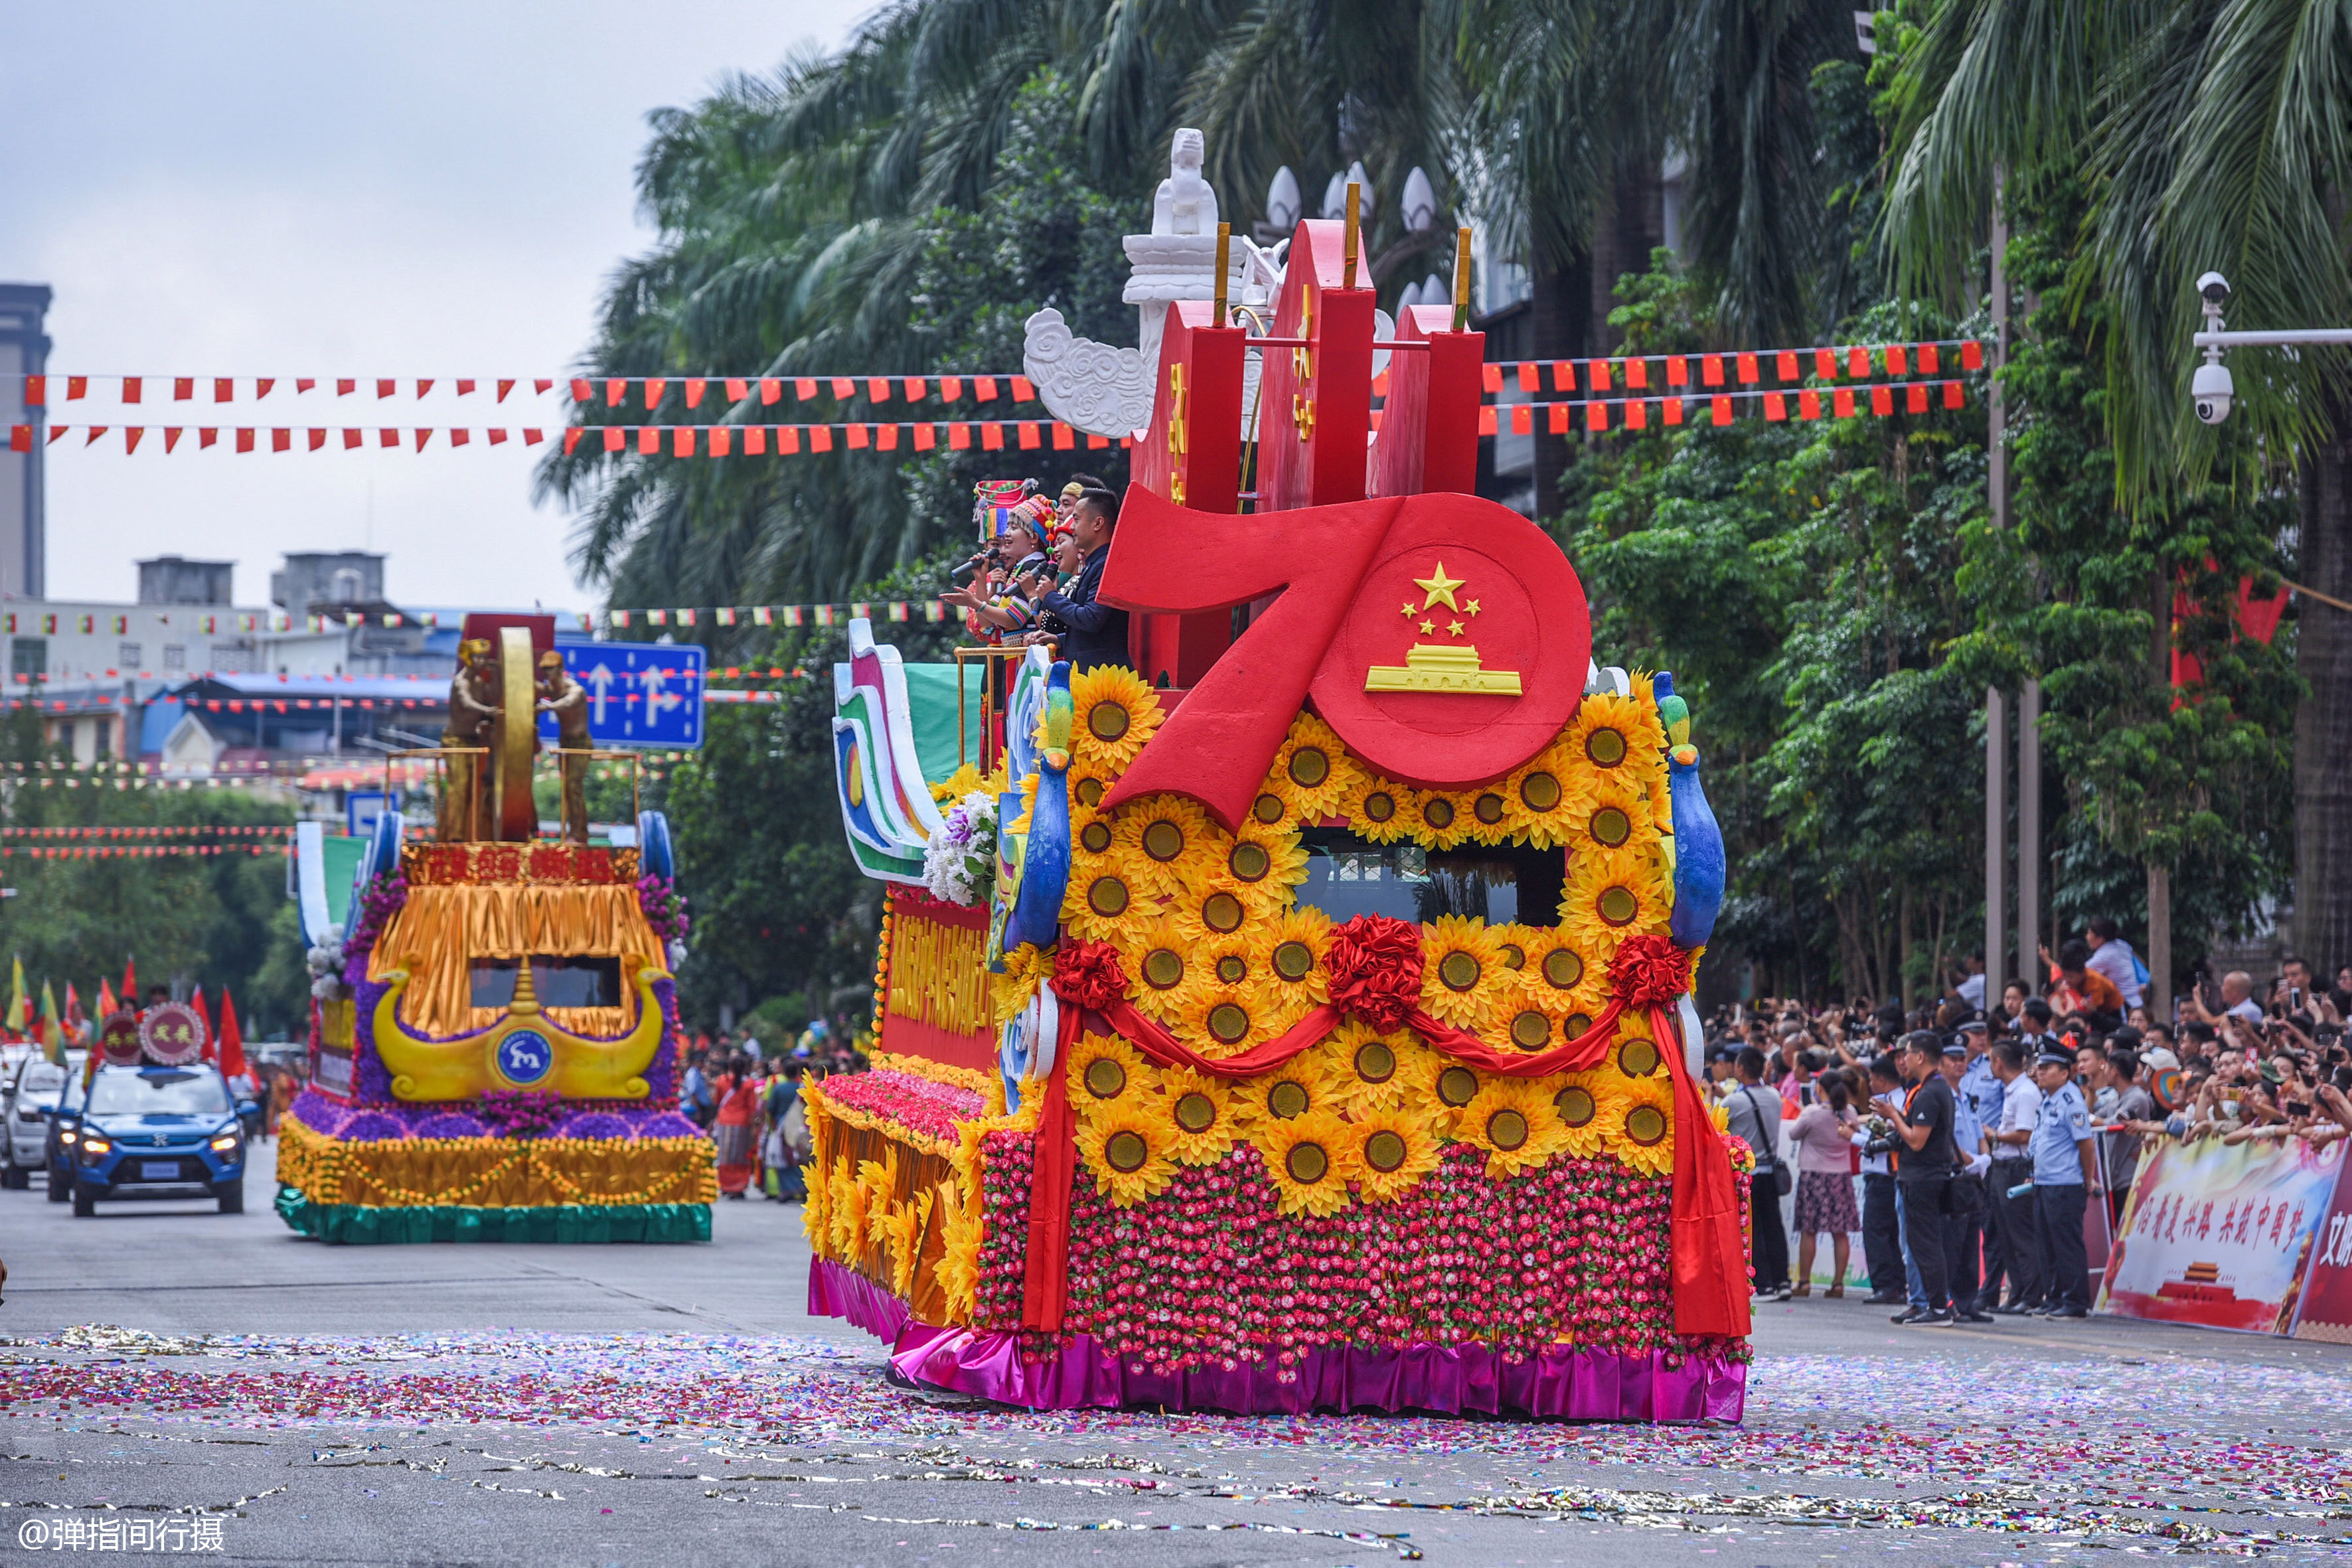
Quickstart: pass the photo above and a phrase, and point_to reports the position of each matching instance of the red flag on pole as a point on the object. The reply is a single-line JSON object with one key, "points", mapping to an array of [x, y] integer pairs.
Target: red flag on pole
{"points": [[130, 984], [204, 1017], [232, 1039]]}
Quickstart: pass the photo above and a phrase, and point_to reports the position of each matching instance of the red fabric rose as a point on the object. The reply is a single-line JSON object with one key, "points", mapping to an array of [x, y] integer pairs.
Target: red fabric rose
{"points": [[1086, 975], [1375, 966], [1649, 970]]}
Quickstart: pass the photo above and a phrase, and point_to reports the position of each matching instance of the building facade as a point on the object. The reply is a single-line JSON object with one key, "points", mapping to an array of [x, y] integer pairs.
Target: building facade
{"points": [[24, 350]]}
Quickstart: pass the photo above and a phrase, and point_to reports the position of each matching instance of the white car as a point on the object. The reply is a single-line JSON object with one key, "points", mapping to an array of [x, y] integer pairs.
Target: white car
{"points": [[30, 1091]]}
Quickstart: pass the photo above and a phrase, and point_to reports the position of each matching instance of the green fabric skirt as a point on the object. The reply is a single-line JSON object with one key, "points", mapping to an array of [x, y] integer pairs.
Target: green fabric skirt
{"points": [[360, 1225]]}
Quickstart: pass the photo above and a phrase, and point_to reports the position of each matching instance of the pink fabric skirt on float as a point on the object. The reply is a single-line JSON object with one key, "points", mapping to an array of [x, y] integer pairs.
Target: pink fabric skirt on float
{"points": [[1558, 1382]]}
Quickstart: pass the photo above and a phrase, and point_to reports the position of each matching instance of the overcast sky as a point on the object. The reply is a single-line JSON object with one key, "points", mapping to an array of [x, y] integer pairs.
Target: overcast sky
{"points": [[313, 188]]}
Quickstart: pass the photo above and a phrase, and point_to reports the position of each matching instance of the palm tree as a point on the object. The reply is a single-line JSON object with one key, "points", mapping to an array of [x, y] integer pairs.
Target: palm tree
{"points": [[2219, 134]]}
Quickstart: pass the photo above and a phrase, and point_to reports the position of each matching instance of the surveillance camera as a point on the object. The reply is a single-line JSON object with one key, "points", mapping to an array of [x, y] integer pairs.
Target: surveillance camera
{"points": [[2214, 287], [2212, 389]]}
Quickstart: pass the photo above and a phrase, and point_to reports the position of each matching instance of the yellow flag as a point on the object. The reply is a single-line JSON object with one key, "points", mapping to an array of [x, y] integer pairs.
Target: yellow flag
{"points": [[53, 1034], [16, 1019]]}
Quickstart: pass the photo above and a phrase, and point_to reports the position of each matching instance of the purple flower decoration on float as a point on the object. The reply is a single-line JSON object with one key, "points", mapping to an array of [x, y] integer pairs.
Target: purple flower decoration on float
{"points": [[521, 1112], [665, 907]]}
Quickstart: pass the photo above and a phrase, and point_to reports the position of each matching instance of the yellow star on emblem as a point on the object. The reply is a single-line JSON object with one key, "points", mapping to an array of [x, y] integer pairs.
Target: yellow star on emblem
{"points": [[1439, 588], [1428, 629], [1453, 628], [1472, 608], [1409, 607]]}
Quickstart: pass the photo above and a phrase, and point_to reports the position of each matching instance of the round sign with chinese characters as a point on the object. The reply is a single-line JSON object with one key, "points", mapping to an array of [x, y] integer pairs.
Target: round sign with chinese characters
{"points": [[1463, 652], [117, 1039], [525, 1057], [171, 1034]]}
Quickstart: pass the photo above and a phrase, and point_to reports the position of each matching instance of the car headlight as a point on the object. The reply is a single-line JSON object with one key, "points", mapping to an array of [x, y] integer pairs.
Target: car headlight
{"points": [[67, 1135], [94, 1145], [225, 1142]]}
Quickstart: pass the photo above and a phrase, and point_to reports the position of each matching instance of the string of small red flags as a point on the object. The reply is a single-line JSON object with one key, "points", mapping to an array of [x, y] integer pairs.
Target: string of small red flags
{"points": [[1829, 362], [1878, 398], [185, 830], [138, 851]]}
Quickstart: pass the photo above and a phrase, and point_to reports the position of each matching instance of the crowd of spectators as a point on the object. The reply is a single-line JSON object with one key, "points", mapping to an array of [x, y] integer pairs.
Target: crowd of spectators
{"points": [[1981, 1133], [747, 1096]]}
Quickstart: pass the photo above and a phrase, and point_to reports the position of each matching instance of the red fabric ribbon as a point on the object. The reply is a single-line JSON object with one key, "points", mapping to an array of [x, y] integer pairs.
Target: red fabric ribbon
{"points": [[1367, 966]]}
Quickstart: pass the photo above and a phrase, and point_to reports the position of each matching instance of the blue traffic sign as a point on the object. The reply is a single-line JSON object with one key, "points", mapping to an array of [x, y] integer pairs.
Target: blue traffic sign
{"points": [[639, 694]]}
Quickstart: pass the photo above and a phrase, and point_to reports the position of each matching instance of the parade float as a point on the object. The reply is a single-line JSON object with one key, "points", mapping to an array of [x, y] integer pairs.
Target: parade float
{"points": [[1298, 1019], [494, 1043]]}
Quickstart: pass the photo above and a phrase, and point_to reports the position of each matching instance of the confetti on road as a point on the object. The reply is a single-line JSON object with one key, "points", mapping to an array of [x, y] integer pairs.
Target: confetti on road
{"points": [[2154, 1455]]}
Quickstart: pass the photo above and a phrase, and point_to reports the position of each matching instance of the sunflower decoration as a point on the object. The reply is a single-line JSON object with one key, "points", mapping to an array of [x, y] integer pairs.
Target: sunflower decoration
{"points": [[1462, 969], [1391, 1151], [1644, 693], [1575, 1111], [1560, 981], [1163, 842], [1312, 773], [1112, 714], [1309, 1158], [1294, 945], [1091, 832], [1296, 1089], [1512, 1120], [1128, 1147], [1204, 1114], [1100, 897], [1105, 1070], [1263, 865], [1210, 908], [1221, 1019], [958, 1270], [1441, 818], [1440, 1089], [958, 784], [1366, 1070], [1163, 970], [1609, 732], [1640, 1132], [1611, 896], [1540, 793], [1381, 810], [1608, 822], [1025, 968], [902, 1238], [1635, 1057]]}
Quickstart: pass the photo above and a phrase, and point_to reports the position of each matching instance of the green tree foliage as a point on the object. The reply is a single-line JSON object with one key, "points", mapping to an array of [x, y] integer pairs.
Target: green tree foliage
{"points": [[209, 921]]}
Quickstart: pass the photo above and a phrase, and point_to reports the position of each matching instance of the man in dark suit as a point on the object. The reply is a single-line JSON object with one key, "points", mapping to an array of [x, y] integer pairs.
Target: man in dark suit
{"points": [[1098, 633]]}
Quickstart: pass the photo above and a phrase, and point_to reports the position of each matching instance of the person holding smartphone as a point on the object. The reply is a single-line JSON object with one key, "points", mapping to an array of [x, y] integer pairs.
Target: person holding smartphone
{"points": [[1926, 1160]]}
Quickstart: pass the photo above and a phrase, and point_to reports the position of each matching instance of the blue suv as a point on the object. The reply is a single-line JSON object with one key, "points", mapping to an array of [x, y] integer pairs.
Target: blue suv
{"points": [[158, 1133]]}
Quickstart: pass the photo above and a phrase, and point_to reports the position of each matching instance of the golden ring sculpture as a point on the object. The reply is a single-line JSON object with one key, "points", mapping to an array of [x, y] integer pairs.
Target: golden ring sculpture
{"points": [[524, 1049]]}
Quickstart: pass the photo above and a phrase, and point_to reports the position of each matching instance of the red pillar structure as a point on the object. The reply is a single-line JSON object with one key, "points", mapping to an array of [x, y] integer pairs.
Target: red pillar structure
{"points": [[1315, 400], [1428, 438], [1192, 455]]}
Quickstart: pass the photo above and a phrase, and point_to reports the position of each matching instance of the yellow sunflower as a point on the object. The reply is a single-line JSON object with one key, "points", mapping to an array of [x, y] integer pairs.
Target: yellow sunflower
{"points": [[1575, 1111], [1441, 819], [1312, 773], [1611, 897], [1296, 1089], [1163, 840], [1105, 1070], [1635, 1057], [1261, 865], [1440, 1089], [1539, 794], [1208, 910], [1222, 1020], [1102, 902], [1462, 969], [1092, 834], [1128, 1149], [1294, 945], [1511, 944], [902, 1238], [1163, 972], [1560, 980], [1203, 1113], [1487, 814], [1514, 1123], [1610, 731], [1113, 713], [1640, 1133], [1390, 1152], [1609, 822], [957, 1271], [1309, 1159], [1367, 1070], [957, 785], [1381, 810], [1025, 969]]}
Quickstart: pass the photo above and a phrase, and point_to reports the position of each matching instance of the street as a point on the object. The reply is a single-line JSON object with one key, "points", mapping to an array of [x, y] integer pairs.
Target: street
{"points": [[675, 1405]]}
